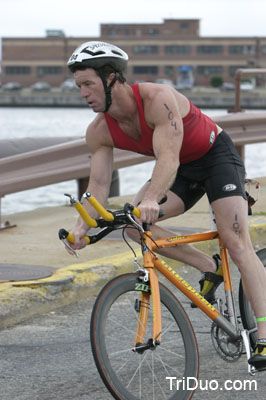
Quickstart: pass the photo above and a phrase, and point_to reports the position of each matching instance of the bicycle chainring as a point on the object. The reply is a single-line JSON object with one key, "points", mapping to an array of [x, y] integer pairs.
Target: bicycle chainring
{"points": [[227, 349]]}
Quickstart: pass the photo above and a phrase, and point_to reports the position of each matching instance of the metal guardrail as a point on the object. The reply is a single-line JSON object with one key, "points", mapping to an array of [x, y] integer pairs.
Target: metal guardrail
{"points": [[54, 164]]}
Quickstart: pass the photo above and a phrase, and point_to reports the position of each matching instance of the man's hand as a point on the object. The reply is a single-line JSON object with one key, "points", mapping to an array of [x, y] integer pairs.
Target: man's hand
{"points": [[149, 210], [80, 241]]}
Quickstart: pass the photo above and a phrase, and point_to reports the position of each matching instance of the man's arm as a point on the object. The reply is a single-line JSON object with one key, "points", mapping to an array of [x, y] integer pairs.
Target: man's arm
{"points": [[163, 113], [101, 168]]}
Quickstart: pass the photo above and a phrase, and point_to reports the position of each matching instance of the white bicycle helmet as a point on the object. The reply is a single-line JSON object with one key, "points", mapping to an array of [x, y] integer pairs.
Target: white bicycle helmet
{"points": [[96, 55]]}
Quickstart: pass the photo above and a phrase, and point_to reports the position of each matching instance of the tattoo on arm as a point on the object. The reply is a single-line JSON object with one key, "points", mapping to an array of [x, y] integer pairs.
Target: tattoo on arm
{"points": [[171, 116]]}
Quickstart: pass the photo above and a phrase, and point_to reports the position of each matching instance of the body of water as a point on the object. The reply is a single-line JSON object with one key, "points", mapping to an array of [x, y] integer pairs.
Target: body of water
{"points": [[48, 122]]}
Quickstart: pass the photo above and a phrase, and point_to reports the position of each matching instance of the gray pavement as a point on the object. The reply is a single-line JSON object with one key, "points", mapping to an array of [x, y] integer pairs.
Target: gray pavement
{"points": [[49, 357]]}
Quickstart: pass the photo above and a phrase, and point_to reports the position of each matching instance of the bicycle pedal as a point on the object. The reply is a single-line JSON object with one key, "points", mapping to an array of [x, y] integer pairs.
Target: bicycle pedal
{"points": [[260, 369], [252, 370]]}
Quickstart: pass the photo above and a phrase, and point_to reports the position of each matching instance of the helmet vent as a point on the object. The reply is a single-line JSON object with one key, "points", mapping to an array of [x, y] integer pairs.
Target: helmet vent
{"points": [[91, 53], [117, 53]]}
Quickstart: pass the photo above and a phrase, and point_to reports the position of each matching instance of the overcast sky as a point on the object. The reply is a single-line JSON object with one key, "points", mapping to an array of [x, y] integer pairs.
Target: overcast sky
{"points": [[26, 18]]}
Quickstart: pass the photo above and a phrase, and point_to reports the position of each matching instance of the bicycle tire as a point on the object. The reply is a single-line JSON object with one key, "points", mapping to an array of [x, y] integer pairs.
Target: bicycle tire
{"points": [[246, 312], [113, 330]]}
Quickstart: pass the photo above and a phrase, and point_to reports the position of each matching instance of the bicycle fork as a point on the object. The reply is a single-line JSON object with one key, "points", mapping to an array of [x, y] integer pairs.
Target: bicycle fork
{"points": [[154, 292]]}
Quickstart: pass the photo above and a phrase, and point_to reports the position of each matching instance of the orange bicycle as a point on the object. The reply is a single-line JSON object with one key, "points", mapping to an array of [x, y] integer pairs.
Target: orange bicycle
{"points": [[141, 336]]}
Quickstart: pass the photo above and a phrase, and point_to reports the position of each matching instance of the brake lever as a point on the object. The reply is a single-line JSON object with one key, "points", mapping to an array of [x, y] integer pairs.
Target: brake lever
{"points": [[70, 248], [134, 222]]}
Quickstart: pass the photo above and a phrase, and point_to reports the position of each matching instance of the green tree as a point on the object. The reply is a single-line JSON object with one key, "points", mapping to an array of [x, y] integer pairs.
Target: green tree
{"points": [[216, 81]]}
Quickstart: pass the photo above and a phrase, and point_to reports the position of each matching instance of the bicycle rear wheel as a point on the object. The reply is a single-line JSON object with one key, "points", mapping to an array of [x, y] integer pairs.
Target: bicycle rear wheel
{"points": [[247, 316], [129, 375]]}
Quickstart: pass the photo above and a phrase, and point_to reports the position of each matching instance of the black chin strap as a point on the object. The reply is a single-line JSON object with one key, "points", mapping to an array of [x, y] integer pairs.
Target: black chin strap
{"points": [[108, 90]]}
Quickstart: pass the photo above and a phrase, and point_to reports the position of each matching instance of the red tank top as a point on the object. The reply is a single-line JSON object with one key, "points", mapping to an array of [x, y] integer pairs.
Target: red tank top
{"points": [[199, 133]]}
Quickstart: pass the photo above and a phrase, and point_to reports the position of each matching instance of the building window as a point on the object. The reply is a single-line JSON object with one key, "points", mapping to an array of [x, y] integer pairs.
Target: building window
{"points": [[153, 32], [233, 68], [49, 70], [142, 69], [145, 49], [242, 49], [172, 49], [263, 49], [17, 70], [184, 25], [210, 49], [111, 32], [210, 70]]}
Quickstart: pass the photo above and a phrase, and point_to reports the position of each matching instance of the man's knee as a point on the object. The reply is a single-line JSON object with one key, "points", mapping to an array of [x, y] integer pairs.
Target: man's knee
{"points": [[238, 250]]}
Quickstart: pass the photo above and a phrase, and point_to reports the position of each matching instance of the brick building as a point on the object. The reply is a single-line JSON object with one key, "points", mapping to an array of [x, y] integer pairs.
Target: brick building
{"points": [[172, 50]]}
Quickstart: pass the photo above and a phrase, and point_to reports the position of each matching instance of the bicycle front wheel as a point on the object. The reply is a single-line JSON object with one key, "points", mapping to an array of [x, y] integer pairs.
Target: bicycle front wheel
{"points": [[247, 316], [168, 371]]}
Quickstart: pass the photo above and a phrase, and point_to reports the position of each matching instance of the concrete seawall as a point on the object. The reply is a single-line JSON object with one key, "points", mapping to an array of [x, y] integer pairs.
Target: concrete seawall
{"points": [[202, 98]]}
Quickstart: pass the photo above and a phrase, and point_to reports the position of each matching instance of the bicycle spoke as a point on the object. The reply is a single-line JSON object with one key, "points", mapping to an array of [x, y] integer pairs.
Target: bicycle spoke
{"points": [[155, 377], [164, 364], [137, 369], [177, 355]]}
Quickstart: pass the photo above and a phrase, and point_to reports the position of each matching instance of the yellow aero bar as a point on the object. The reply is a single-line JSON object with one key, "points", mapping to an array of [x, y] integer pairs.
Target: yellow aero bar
{"points": [[136, 212], [71, 238], [85, 216], [63, 234], [107, 216]]}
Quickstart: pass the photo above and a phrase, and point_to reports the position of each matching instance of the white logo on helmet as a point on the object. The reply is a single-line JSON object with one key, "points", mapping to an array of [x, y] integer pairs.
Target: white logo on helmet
{"points": [[229, 188], [97, 45]]}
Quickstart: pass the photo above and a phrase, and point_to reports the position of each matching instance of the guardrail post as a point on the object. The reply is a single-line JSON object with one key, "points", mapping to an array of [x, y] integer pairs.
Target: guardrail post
{"points": [[114, 188], [241, 151], [7, 224]]}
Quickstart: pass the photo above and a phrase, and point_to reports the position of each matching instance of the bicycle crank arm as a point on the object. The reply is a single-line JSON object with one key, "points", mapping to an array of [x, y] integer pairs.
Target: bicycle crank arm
{"points": [[245, 337]]}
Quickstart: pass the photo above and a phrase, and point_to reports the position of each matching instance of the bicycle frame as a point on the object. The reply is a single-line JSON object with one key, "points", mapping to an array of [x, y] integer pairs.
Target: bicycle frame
{"points": [[152, 261]]}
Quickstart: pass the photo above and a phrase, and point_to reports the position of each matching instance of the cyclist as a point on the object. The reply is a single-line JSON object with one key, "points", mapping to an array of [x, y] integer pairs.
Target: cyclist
{"points": [[193, 156]]}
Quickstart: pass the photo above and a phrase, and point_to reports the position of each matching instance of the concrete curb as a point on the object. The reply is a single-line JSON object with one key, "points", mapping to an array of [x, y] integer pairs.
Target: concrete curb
{"points": [[21, 300]]}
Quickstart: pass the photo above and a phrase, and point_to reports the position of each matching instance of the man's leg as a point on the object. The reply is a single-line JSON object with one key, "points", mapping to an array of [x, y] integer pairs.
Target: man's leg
{"points": [[232, 222], [174, 206]]}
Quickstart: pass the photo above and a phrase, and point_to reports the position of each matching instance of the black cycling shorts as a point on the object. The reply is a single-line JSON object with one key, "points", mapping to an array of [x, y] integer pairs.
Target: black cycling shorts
{"points": [[219, 173]]}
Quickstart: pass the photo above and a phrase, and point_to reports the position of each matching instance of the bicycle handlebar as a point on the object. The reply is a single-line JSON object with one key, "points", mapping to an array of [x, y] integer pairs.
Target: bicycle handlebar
{"points": [[63, 234], [108, 220], [82, 211], [107, 216]]}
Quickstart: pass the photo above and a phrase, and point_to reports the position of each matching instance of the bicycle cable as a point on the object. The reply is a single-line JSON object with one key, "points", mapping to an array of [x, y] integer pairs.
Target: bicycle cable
{"points": [[125, 239]]}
